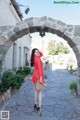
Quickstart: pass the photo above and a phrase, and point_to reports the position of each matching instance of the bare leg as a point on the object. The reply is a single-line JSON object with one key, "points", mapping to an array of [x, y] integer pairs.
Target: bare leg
{"points": [[40, 97], [36, 96], [36, 100], [40, 102]]}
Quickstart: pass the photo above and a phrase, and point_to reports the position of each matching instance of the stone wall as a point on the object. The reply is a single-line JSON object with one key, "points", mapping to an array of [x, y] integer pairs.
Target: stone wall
{"points": [[71, 33]]}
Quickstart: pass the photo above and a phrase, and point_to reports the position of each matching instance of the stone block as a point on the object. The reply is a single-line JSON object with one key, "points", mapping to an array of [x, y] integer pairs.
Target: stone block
{"points": [[60, 28], [3, 40], [16, 29], [70, 28], [10, 34], [69, 41], [52, 20], [59, 33], [68, 34], [61, 23], [78, 47], [76, 51], [8, 44], [77, 30], [50, 25], [14, 37], [0, 33], [76, 39], [20, 23], [38, 22], [43, 18], [29, 21], [53, 31], [20, 34], [24, 26], [30, 24]]}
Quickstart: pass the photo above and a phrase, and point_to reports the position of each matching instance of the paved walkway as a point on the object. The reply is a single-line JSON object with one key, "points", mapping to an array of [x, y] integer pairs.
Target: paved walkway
{"points": [[58, 103]]}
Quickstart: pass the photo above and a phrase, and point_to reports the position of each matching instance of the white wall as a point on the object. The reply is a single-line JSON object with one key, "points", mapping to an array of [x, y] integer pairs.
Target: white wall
{"points": [[8, 59], [25, 41], [8, 16]]}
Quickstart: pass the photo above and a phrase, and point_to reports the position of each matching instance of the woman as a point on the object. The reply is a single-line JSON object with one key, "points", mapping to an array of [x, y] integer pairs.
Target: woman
{"points": [[37, 75]]}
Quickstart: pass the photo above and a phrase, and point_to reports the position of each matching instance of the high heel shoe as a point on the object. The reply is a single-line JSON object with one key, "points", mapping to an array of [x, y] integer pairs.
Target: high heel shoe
{"points": [[39, 111], [35, 108]]}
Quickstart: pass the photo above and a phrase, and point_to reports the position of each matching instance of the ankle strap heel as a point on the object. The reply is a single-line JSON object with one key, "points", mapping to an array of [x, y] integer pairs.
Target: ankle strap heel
{"points": [[39, 111], [35, 108]]}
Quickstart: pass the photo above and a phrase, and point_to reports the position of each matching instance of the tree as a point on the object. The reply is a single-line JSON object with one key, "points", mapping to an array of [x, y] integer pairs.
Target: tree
{"points": [[56, 48]]}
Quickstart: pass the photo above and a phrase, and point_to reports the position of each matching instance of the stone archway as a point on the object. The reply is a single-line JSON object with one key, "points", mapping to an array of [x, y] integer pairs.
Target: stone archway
{"points": [[71, 33]]}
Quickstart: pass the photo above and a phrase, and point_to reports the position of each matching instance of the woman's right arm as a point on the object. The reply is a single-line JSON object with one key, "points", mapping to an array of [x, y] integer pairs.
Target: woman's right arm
{"points": [[39, 66]]}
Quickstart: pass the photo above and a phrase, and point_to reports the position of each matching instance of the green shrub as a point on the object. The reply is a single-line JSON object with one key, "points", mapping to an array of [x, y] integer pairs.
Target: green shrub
{"points": [[27, 70], [73, 85], [7, 79], [10, 80], [17, 81], [21, 71], [7, 74], [2, 89]]}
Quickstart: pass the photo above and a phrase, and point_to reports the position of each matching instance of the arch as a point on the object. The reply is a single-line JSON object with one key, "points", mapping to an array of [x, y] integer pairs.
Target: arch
{"points": [[71, 33]]}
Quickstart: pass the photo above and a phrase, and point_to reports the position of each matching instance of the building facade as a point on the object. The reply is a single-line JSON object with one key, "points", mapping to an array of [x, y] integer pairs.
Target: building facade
{"points": [[19, 53]]}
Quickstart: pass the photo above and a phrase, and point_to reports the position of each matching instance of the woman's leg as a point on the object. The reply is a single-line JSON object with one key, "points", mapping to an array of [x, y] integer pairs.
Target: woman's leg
{"points": [[36, 96], [40, 98], [35, 100], [40, 102]]}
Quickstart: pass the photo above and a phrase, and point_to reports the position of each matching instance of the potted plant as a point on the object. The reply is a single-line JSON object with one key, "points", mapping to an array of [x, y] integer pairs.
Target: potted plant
{"points": [[73, 88]]}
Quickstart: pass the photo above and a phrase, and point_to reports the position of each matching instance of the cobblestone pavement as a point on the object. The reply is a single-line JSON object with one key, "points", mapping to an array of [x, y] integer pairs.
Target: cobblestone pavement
{"points": [[58, 103]]}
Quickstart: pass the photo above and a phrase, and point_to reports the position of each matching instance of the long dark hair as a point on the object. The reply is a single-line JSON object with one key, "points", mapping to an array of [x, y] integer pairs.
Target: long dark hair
{"points": [[32, 56]]}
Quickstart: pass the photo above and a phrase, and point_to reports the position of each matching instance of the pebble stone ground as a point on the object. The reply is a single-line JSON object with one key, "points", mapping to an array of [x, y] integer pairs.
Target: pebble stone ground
{"points": [[57, 104]]}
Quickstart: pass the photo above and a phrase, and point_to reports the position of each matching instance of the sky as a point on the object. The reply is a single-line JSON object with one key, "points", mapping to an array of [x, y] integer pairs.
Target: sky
{"points": [[67, 13]]}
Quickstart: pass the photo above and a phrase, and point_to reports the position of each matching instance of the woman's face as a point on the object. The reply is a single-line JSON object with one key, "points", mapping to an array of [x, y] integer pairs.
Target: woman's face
{"points": [[37, 53]]}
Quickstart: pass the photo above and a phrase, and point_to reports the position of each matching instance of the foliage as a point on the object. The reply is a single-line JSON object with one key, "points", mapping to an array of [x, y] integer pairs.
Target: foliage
{"points": [[14, 79], [73, 85], [55, 48], [21, 71], [24, 71], [17, 81], [27, 70], [2, 89], [11, 80], [51, 45], [70, 69], [7, 79]]}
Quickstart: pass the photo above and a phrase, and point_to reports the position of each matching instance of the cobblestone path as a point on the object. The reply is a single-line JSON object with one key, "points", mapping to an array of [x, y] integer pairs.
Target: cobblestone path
{"points": [[58, 103]]}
